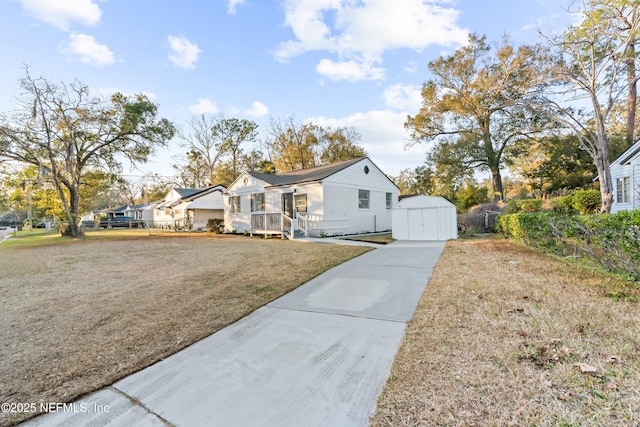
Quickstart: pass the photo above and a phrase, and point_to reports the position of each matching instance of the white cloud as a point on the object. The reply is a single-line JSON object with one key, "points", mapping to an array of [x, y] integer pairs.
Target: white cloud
{"points": [[411, 67], [258, 109], [403, 97], [107, 92], [203, 106], [89, 50], [384, 138], [184, 54], [349, 70], [232, 6], [62, 13], [362, 31]]}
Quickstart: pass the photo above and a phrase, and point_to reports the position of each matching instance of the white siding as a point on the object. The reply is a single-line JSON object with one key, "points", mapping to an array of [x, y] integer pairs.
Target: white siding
{"points": [[244, 187], [332, 205], [202, 216], [342, 214], [619, 172]]}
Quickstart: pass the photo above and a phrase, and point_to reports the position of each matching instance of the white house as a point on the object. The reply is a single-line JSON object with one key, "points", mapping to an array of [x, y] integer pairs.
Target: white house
{"points": [[348, 197], [625, 173], [186, 208], [424, 218]]}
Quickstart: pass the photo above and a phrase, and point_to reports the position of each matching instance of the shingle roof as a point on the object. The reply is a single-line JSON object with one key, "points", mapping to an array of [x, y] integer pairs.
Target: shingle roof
{"points": [[186, 192], [204, 191], [626, 157], [314, 174]]}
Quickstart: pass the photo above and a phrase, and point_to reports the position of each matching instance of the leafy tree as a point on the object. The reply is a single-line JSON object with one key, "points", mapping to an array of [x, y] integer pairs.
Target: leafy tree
{"points": [[450, 173], [471, 195], [340, 144], [476, 104], [296, 146], [420, 180], [593, 65], [292, 145], [231, 134], [67, 133], [210, 142], [254, 161], [552, 164]]}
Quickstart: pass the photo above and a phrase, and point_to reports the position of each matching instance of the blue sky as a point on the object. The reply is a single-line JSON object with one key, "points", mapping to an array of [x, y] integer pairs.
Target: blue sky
{"points": [[356, 63]]}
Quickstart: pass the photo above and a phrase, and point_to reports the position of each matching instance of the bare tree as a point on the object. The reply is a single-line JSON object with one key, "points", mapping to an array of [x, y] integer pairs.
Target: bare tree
{"points": [[592, 70], [204, 152]]}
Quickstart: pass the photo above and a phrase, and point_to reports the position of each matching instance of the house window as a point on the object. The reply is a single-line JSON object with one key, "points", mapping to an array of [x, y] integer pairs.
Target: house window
{"points": [[167, 211], [301, 202], [234, 203], [623, 190], [363, 199], [257, 202], [389, 200]]}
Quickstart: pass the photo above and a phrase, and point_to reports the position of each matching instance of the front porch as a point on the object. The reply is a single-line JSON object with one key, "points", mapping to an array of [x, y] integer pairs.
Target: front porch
{"points": [[269, 224]]}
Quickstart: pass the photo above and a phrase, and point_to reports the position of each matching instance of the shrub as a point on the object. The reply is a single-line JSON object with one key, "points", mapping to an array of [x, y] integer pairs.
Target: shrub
{"points": [[529, 205], [612, 240], [587, 201], [563, 205], [474, 219], [215, 225]]}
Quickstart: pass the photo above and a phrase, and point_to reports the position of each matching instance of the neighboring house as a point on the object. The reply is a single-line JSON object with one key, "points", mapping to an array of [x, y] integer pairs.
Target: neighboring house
{"points": [[625, 173], [186, 208], [348, 197]]}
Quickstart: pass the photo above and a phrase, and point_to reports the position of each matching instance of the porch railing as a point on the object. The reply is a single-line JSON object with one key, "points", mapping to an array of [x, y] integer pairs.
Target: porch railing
{"points": [[273, 223], [303, 224]]}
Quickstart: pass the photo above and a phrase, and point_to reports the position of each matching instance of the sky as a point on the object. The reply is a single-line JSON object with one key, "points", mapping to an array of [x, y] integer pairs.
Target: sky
{"points": [[339, 63]]}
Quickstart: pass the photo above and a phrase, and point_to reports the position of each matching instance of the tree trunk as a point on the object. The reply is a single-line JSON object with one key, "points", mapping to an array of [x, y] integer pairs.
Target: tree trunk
{"points": [[604, 174], [74, 204], [496, 181], [632, 96]]}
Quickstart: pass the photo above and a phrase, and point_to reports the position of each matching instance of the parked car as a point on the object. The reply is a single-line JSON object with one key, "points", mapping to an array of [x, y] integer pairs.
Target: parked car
{"points": [[121, 222]]}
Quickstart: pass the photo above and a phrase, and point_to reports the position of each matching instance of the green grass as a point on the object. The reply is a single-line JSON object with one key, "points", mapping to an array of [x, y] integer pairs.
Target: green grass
{"points": [[40, 237]]}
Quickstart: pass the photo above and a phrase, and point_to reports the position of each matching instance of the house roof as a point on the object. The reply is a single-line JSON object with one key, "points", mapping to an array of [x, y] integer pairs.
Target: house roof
{"points": [[314, 174], [189, 194], [118, 209], [626, 157], [186, 192], [204, 192]]}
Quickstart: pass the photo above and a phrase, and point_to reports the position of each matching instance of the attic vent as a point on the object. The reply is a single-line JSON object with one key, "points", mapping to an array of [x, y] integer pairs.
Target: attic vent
{"points": [[366, 170]]}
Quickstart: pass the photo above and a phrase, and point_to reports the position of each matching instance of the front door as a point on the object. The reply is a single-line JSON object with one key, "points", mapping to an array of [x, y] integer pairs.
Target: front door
{"points": [[287, 204]]}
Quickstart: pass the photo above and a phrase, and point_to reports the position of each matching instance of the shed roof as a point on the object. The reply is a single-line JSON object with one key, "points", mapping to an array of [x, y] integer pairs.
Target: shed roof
{"points": [[414, 202]]}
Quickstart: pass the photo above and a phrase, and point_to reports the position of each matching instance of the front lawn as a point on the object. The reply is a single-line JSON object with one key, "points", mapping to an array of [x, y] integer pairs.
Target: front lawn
{"points": [[507, 336], [77, 315]]}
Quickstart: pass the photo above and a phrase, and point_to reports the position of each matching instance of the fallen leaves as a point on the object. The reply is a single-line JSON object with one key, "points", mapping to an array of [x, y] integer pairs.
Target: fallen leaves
{"points": [[585, 368]]}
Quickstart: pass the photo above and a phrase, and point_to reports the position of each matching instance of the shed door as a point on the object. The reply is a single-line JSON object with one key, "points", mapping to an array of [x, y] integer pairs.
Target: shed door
{"points": [[415, 228], [430, 224], [423, 224]]}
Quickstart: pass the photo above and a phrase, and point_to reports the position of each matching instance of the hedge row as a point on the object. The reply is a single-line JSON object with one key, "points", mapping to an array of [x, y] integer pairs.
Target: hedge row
{"points": [[611, 240]]}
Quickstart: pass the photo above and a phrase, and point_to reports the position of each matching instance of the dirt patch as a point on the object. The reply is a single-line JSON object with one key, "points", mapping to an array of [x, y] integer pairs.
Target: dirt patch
{"points": [[506, 336], [79, 316]]}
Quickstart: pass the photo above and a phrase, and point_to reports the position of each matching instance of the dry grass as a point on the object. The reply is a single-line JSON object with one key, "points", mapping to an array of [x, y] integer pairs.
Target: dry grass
{"points": [[77, 316], [506, 336], [382, 239]]}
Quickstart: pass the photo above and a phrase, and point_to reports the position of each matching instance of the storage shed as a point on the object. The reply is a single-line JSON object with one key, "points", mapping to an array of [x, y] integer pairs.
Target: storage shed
{"points": [[424, 218]]}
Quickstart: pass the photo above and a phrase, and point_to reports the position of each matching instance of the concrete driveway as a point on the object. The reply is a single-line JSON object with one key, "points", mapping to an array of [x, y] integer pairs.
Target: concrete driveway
{"points": [[318, 356]]}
